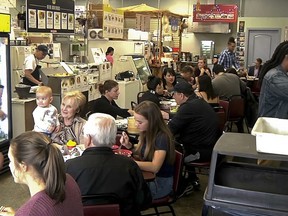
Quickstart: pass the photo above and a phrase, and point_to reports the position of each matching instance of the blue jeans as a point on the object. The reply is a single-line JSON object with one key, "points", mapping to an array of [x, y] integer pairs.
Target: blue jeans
{"points": [[161, 187]]}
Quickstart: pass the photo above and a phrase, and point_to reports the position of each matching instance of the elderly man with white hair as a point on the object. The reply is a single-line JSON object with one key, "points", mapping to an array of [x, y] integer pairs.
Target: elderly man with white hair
{"points": [[99, 171]]}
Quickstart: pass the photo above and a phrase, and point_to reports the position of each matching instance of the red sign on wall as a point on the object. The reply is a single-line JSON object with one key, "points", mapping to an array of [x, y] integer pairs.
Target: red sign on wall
{"points": [[215, 13]]}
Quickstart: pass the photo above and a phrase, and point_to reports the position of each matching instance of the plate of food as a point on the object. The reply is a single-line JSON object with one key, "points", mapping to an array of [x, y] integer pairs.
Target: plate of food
{"points": [[124, 152], [114, 147]]}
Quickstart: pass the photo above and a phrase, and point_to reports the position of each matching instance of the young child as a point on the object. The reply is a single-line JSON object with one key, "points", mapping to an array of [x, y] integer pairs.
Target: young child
{"points": [[45, 114]]}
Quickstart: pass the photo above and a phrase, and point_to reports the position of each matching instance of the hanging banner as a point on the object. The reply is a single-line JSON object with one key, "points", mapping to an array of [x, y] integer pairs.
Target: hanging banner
{"points": [[53, 16], [215, 13]]}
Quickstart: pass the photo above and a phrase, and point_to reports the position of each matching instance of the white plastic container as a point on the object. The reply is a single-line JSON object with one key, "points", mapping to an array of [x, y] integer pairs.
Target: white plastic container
{"points": [[271, 135]]}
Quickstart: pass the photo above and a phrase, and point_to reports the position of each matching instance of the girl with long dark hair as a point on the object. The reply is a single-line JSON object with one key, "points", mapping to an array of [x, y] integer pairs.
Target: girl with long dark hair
{"points": [[155, 148]]}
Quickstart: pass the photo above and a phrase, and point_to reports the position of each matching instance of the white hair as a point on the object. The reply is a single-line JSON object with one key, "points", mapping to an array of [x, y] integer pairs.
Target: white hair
{"points": [[102, 129]]}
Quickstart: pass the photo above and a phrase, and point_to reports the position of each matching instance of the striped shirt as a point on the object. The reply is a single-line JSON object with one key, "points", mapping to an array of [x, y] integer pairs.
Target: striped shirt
{"points": [[228, 60]]}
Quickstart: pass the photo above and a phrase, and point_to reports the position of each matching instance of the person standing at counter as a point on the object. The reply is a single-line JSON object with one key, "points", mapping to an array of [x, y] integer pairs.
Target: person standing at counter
{"points": [[31, 75], [109, 91], [228, 57], [273, 100], [109, 55]]}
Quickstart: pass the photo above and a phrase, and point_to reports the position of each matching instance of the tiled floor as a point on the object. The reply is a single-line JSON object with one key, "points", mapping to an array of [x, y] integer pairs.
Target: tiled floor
{"points": [[14, 195]]}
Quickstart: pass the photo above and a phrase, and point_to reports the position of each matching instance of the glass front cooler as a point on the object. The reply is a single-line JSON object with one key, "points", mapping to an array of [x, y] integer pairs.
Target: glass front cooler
{"points": [[5, 88], [4, 92]]}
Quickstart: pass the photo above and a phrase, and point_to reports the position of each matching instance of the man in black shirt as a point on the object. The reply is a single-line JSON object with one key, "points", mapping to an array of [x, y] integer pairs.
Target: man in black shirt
{"points": [[195, 124], [99, 171]]}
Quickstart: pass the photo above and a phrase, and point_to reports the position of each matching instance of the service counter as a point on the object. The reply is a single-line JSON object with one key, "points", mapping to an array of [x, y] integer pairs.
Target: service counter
{"points": [[22, 119], [128, 92]]}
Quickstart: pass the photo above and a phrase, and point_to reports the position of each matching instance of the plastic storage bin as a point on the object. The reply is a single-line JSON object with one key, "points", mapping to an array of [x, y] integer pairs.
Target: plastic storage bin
{"points": [[271, 135], [239, 186]]}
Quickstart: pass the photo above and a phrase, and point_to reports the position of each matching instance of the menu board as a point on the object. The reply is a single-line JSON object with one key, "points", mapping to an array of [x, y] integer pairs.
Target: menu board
{"points": [[5, 23], [113, 22], [53, 16], [215, 13]]}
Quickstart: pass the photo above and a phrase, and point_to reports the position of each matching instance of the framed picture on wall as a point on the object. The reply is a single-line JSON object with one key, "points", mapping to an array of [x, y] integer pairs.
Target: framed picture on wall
{"points": [[241, 26]]}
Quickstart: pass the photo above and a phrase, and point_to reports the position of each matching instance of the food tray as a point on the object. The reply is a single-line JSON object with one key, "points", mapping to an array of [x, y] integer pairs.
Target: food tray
{"points": [[271, 135]]}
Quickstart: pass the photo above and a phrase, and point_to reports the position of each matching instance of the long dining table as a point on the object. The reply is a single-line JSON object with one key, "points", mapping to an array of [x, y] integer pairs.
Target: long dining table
{"points": [[78, 150]]}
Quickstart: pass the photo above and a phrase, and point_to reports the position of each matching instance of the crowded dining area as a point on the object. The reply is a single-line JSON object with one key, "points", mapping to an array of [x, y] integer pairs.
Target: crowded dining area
{"points": [[109, 108]]}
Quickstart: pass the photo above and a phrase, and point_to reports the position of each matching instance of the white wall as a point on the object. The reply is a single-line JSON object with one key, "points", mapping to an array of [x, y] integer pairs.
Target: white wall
{"points": [[266, 22], [191, 42]]}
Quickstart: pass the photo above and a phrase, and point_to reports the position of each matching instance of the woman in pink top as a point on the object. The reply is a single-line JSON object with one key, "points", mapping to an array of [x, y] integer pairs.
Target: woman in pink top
{"points": [[38, 163], [109, 55]]}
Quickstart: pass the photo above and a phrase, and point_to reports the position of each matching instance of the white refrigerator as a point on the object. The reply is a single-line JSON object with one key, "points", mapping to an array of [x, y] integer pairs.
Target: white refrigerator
{"points": [[18, 55]]}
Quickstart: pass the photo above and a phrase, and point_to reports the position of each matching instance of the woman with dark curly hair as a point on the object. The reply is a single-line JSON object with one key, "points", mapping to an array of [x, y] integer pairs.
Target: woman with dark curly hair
{"points": [[273, 100]]}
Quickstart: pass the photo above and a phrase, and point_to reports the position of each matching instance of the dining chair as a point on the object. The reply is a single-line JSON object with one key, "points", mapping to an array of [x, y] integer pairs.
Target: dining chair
{"points": [[255, 88], [225, 104], [171, 198], [236, 111], [222, 119], [139, 95], [101, 204], [133, 105]]}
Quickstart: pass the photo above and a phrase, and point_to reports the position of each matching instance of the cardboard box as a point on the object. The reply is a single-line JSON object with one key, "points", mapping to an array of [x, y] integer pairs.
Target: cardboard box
{"points": [[271, 135]]}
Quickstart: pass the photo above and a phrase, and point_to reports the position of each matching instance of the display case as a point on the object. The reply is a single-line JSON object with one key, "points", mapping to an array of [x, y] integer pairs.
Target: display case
{"points": [[135, 63], [207, 50], [143, 70], [5, 86]]}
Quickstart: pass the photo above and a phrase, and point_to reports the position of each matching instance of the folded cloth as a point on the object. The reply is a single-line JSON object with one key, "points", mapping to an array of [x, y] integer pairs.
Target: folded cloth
{"points": [[192, 157]]}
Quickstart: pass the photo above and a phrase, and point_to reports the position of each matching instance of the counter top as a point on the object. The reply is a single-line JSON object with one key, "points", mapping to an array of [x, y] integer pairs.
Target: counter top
{"points": [[22, 101], [242, 145]]}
